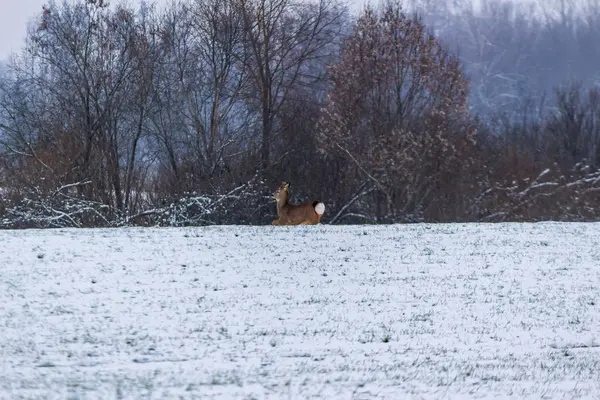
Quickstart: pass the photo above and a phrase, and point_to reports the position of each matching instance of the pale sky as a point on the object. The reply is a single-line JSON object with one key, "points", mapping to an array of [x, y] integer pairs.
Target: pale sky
{"points": [[13, 19], [14, 15]]}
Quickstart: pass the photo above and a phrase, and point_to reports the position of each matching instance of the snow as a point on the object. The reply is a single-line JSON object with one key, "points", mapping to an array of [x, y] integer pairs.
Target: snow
{"points": [[418, 311]]}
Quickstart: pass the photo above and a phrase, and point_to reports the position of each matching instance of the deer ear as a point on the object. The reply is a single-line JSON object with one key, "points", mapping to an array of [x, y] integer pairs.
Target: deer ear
{"points": [[287, 185]]}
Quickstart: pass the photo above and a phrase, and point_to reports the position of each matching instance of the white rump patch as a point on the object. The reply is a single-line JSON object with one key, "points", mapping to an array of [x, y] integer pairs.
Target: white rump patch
{"points": [[320, 208]]}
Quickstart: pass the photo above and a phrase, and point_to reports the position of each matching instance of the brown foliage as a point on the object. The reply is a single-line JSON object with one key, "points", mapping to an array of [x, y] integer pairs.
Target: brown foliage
{"points": [[543, 168], [397, 113]]}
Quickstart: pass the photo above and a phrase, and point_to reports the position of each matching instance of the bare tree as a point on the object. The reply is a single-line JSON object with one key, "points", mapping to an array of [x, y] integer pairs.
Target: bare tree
{"points": [[139, 29], [202, 113], [168, 124], [282, 38], [219, 31]]}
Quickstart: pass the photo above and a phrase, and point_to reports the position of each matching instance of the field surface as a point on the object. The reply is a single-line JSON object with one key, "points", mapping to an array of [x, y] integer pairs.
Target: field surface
{"points": [[462, 311]]}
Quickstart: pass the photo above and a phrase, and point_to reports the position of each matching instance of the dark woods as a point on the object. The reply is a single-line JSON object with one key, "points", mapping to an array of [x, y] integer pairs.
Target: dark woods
{"points": [[193, 114]]}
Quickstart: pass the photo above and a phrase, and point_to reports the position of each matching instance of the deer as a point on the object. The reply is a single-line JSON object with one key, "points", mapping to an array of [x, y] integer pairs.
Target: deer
{"points": [[308, 213]]}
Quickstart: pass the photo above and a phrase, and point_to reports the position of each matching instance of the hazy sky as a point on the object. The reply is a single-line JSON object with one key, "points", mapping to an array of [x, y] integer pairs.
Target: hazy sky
{"points": [[13, 20], [15, 14]]}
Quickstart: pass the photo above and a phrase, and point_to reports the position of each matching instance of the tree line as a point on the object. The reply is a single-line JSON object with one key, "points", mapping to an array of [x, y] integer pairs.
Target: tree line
{"points": [[194, 113]]}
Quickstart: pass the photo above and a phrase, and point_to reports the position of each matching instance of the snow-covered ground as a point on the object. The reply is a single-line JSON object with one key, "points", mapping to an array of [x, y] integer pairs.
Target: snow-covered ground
{"points": [[331, 312]]}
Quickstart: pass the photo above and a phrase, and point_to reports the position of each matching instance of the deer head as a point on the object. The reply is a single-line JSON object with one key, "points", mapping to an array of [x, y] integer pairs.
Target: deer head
{"points": [[282, 192]]}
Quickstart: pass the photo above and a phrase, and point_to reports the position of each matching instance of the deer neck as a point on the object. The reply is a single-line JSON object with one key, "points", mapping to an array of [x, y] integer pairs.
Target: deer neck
{"points": [[282, 202]]}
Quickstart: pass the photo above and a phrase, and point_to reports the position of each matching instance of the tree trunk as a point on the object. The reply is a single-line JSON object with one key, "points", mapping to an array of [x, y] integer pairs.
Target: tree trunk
{"points": [[266, 137]]}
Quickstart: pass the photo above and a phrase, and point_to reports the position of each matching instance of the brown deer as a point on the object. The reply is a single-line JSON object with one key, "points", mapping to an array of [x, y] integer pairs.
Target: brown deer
{"points": [[308, 213]]}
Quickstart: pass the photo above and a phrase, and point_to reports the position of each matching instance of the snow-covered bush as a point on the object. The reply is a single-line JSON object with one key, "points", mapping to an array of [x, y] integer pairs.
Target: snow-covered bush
{"points": [[570, 196], [54, 211], [245, 204]]}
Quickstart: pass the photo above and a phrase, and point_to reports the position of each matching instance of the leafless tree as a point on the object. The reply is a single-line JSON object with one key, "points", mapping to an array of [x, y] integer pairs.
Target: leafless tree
{"points": [[282, 38], [202, 113]]}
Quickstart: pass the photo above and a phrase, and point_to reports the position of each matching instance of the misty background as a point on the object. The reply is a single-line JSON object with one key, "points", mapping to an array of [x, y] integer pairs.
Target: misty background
{"points": [[193, 112]]}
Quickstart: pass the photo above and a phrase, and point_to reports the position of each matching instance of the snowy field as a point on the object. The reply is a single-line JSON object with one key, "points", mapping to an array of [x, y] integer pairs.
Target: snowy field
{"points": [[459, 311]]}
